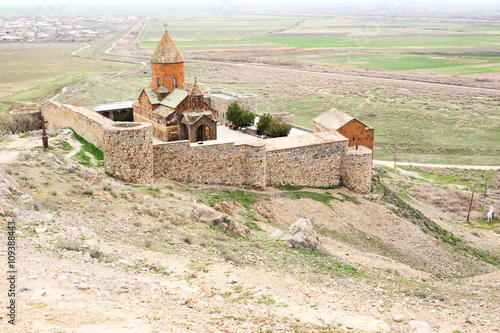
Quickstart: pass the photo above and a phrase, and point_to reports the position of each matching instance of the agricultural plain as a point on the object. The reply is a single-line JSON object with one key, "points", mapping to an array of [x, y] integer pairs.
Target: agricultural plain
{"points": [[429, 85]]}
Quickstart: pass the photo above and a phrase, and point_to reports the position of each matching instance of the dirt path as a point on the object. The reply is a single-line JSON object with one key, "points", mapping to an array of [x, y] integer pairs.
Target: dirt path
{"points": [[77, 146], [80, 49], [108, 51], [10, 151]]}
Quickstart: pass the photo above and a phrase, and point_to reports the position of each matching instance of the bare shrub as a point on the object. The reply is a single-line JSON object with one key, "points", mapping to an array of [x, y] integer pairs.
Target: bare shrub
{"points": [[177, 220], [188, 239], [448, 200], [15, 123], [167, 225], [70, 243], [88, 191], [227, 252]]}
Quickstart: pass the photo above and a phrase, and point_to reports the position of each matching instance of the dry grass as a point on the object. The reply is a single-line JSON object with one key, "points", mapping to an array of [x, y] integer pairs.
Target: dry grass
{"points": [[451, 201], [49, 67]]}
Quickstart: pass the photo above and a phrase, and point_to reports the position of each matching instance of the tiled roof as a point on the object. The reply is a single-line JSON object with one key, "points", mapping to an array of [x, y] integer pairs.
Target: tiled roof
{"points": [[196, 90], [175, 98], [153, 98], [162, 90], [163, 111], [192, 117], [333, 119], [303, 140], [166, 52]]}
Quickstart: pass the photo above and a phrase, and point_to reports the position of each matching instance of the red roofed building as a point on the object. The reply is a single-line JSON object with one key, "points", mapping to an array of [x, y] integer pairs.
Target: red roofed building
{"points": [[177, 111], [358, 133]]}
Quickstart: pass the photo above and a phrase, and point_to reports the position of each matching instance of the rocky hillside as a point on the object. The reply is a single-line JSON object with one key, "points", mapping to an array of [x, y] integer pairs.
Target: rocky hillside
{"points": [[98, 255]]}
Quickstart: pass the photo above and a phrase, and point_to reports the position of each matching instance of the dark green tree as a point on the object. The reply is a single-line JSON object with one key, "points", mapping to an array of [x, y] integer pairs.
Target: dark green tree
{"points": [[233, 112], [277, 129], [264, 122], [238, 116]]}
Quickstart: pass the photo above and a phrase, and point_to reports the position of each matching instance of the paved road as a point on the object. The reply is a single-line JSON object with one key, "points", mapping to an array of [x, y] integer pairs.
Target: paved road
{"points": [[444, 166]]}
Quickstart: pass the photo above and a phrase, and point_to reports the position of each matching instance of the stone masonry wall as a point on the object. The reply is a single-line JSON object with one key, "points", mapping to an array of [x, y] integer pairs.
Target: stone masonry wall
{"points": [[83, 121], [315, 165], [357, 169], [317, 160], [284, 117], [224, 164], [30, 116], [220, 105], [128, 151]]}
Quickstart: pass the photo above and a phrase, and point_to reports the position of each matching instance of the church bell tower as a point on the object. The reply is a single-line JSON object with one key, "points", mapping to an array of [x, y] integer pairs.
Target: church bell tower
{"points": [[167, 66]]}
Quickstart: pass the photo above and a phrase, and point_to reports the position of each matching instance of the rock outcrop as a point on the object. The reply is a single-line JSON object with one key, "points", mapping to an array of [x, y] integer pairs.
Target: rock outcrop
{"points": [[221, 221], [302, 235]]}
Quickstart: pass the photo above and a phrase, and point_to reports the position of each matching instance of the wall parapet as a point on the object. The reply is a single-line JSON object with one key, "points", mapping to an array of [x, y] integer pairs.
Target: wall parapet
{"points": [[83, 121]]}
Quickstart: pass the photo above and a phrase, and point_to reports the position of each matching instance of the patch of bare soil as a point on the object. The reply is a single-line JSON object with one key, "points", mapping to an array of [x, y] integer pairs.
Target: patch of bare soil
{"points": [[374, 228], [97, 255]]}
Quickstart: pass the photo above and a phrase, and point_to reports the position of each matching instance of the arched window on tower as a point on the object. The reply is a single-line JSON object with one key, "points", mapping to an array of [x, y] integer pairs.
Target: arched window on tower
{"points": [[158, 82], [175, 82]]}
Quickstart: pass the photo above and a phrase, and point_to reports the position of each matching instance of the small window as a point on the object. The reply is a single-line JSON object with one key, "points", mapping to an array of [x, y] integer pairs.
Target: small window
{"points": [[175, 82], [353, 139], [158, 82]]}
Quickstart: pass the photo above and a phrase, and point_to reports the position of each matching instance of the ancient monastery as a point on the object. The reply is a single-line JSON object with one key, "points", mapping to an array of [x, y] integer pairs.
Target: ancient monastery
{"points": [[338, 151], [176, 110]]}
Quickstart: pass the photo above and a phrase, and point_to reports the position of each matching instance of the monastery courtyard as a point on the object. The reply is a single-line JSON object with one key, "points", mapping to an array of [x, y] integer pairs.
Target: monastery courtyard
{"points": [[227, 135]]}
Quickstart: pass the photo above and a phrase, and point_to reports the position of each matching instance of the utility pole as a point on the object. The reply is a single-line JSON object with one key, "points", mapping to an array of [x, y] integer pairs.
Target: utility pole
{"points": [[470, 206], [486, 187], [395, 158]]}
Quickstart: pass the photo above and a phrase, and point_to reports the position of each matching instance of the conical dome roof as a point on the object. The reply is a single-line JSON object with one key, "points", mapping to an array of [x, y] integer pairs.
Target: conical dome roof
{"points": [[195, 89], [166, 52]]}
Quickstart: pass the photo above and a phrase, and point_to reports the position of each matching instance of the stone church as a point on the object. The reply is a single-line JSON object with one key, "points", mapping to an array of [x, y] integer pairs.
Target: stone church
{"points": [[177, 111]]}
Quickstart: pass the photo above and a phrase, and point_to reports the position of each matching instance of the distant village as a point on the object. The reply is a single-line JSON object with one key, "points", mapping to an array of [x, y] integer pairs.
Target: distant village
{"points": [[56, 29]]}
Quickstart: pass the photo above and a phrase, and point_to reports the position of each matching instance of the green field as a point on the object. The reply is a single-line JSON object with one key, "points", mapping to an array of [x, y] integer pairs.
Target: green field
{"points": [[381, 41], [450, 48], [439, 65], [211, 33], [105, 88]]}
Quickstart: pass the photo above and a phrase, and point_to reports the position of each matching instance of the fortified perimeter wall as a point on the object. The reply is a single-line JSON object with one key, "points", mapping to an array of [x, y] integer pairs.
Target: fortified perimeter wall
{"points": [[83, 121], [225, 164], [306, 160], [29, 117], [357, 169], [285, 117], [320, 159]]}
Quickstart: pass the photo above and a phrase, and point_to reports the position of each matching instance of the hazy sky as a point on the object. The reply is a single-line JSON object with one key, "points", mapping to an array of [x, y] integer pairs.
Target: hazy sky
{"points": [[254, 3]]}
